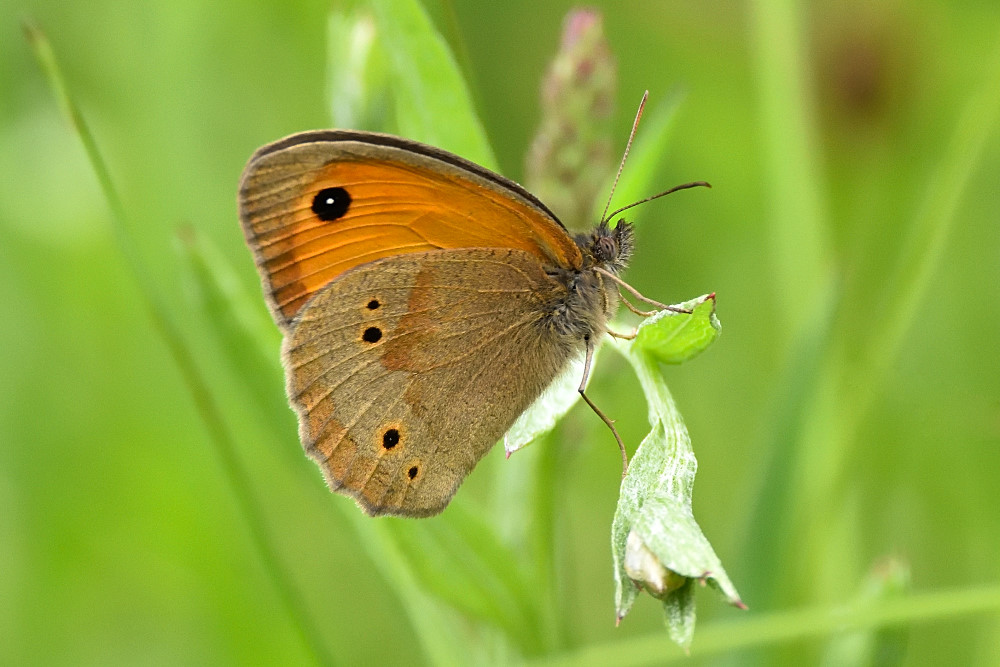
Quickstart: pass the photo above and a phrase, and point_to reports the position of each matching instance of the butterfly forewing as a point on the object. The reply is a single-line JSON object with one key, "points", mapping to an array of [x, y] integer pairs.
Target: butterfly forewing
{"points": [[318, 204], [406, 370]]}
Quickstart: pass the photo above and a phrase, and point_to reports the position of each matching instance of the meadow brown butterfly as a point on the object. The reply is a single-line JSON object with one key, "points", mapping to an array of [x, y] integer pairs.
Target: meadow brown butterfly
{"points": [[425, 303]]}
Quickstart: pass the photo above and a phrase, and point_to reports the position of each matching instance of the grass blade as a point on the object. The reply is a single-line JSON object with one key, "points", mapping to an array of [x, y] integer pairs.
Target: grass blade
{"points": [[790, 626], [799, 234], [847, 391]]}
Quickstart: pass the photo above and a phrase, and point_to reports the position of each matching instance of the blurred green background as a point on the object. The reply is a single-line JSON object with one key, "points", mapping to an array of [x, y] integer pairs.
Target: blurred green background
{"points": [[847, 423]]}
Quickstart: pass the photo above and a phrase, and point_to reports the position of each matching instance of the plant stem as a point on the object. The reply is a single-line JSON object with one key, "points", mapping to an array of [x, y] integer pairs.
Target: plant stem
{"points": [[789, 626]]}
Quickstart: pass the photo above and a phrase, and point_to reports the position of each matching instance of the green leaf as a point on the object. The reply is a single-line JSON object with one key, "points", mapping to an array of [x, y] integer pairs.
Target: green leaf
{"points": [[375, 83], [678, 608], [432, 102], [673, 338], [357, 78], [656, 543], [542, 415]]}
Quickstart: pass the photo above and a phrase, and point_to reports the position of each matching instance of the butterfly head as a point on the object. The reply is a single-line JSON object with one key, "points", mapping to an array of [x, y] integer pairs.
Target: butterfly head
{"points": [[609, 247]]}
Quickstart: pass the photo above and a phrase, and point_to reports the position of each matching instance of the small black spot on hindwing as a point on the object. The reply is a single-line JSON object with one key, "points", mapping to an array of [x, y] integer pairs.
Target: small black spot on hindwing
{"points": [[373, 304], [372, 335], [412, 472], [331, 203]]}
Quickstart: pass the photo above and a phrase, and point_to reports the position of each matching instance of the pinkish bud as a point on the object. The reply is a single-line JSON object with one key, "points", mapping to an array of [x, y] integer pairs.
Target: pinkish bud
{"points": [[571, 158]]}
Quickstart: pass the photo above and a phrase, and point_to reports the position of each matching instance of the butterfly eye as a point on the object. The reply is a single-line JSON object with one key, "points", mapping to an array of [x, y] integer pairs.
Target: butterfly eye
{"points": [[331, 203], [605, 249]]}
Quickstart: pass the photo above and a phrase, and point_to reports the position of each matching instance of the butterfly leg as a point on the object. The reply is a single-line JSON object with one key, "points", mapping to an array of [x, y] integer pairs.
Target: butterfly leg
{"points": [[634, 292], [611, 424], [628, 336], [628, 304], [641, 313]]}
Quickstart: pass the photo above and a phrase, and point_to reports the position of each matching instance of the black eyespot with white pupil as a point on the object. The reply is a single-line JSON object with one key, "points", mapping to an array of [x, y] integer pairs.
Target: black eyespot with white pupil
{"points": [[331, 203]]}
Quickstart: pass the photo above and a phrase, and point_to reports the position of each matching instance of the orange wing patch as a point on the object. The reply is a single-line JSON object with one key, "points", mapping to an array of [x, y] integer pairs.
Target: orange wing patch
{"points": [[313, 210]]}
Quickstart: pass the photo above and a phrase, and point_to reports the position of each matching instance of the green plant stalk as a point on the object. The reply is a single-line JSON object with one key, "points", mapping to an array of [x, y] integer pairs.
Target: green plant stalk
{"points": [[922, 251], [849, 385], [490, 590], [799, 232], [765, 527], [657, 546], [201, 395], [543, 543], [789, 626], [801, 257], [360, 95]]}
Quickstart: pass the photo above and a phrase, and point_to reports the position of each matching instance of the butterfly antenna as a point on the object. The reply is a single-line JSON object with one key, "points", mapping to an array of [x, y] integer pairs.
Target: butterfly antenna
{"points": [[685, 186], [628, 146]]}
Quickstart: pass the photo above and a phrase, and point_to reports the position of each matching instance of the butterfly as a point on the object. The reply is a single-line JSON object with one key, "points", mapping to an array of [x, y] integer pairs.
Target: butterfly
{"points": [[425, 303]]}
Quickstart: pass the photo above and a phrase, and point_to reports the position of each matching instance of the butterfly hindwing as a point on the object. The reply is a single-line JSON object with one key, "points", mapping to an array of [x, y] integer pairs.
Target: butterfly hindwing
{"points": [[405, 371]]}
